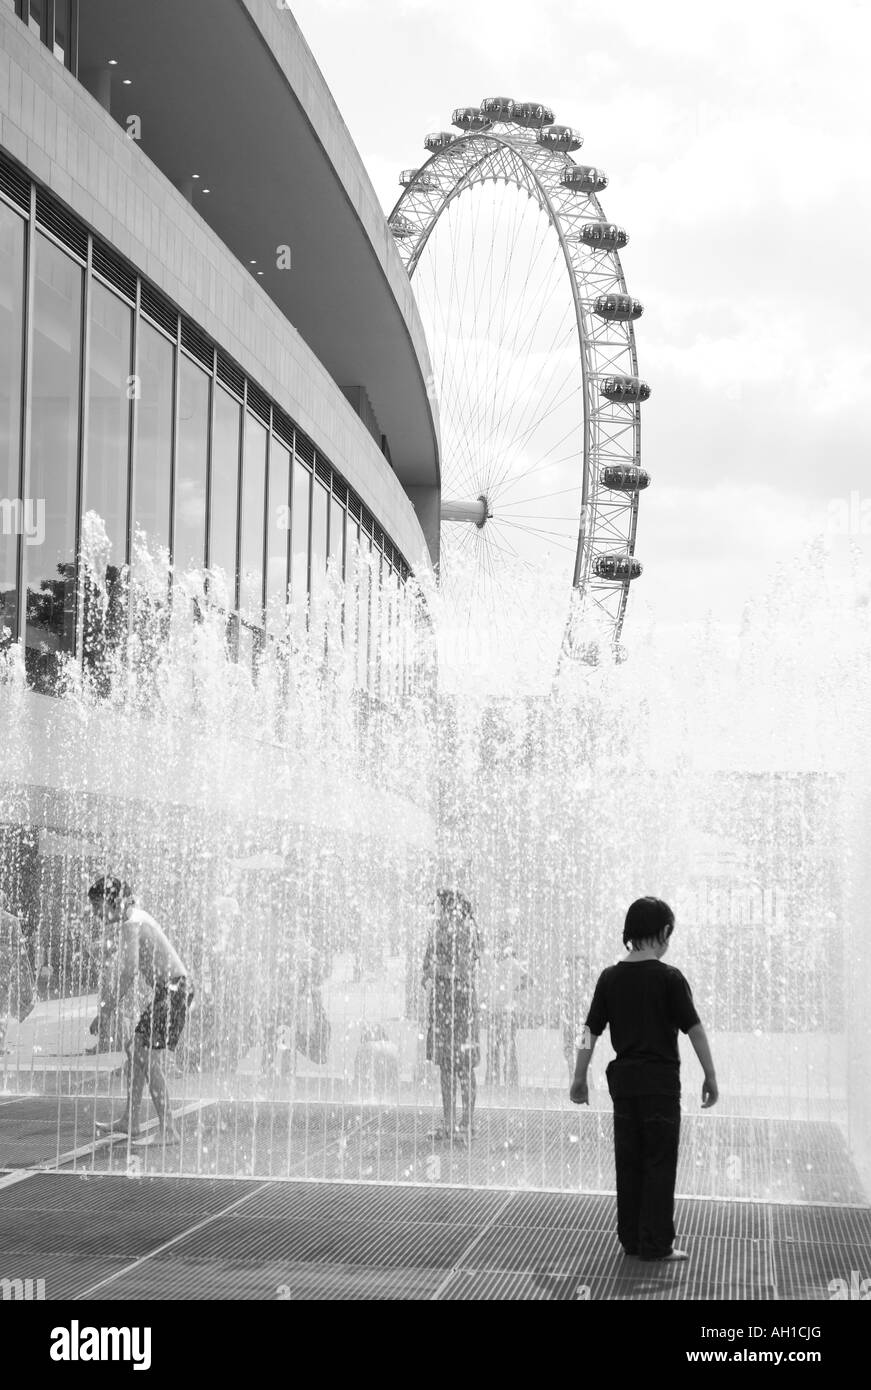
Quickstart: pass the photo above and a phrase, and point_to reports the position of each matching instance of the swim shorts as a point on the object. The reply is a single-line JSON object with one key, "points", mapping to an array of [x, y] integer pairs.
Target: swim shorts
{"points": [[161, 1023]]}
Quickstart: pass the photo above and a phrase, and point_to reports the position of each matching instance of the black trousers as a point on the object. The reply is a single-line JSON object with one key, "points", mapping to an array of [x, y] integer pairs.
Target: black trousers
{"points": [[646, 1137]]}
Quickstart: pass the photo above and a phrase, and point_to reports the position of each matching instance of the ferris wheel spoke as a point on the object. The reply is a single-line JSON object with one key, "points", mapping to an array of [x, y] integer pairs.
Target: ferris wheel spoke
{"points": [[512, 352], [508, 548], [488, 398], [461, 302], [479, 397], [491, 402], [550, 357], [545, 462], [515, 400], [450, 318], [544, 496], [471, 401], [522, 417], [498, 303], [550, 361], [540, 466], [537, 516], [555, 537]]}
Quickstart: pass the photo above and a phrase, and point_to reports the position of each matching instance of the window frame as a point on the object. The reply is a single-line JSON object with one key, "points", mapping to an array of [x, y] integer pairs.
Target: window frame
{"points": [[23, 396], [129, 285]]}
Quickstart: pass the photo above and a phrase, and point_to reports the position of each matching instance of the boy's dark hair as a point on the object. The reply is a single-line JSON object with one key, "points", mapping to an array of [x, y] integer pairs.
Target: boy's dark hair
{"points": [[109, 890], [648, 919]]}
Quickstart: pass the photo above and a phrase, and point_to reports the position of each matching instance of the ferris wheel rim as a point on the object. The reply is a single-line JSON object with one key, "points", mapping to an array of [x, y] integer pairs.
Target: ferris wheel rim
{"points": [[598, 572]]}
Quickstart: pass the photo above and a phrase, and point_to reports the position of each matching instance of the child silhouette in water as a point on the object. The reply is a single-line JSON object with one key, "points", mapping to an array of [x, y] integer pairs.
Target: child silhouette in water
{"points": [[452, 1042], [142, 948], [644, 1002]]}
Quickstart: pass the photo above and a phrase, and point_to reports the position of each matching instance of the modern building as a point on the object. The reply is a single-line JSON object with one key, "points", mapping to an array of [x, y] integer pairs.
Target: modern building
{"points": [[206, 336], [207, 333]]}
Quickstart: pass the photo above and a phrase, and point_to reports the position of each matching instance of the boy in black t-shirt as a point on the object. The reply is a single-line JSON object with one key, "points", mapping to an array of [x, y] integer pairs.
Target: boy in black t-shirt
{"points": [[645, 1002]]}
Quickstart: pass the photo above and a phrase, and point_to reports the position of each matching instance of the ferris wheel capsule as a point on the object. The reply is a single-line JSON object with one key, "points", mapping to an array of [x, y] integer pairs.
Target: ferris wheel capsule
{"points": [[560, 137], [618, 308], [439, 140], [603, 236], [497, 108], [470, 118], [400, 226], [596, 653], [621, 568], [588, 653], [421, 178], [584, 178], [531, 114], [624, 477], [624, 388]]}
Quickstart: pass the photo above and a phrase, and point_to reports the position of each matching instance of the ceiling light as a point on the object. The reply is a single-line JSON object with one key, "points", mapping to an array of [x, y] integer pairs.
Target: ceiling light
{"points": [[260, 272], [207, 190], [128, 82], [194, 176], [252, 262], [113, 62]]}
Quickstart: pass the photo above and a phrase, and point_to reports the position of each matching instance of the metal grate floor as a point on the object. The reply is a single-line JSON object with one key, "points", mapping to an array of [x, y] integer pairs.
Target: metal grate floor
{"points": [[401, 1216], [114, 1237], [728, 1157]]}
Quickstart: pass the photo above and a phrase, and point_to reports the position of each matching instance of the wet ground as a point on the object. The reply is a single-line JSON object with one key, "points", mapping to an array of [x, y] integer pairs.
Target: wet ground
{"points": [[326, 1202], [117, 1237], [567, 1150]]}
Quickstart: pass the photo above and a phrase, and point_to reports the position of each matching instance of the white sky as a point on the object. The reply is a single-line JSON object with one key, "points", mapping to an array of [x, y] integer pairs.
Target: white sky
{"points": [[737, 146]]}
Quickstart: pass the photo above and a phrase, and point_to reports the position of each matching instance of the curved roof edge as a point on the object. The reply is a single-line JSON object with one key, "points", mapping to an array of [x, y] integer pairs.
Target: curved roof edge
{"points": [[284, 38]]}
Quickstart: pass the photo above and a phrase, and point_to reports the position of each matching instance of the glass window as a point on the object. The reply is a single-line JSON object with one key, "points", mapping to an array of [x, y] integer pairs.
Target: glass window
{"points": [[156, 360], [225, 488], [387, 634], [363, 595], [253, 518], [337, 538], [352, 566], [106, 460], [399, 634], [62, 30], [320, 507], [245, 649], [37, 17], [11, 329], [111, 326], [352, 540], [299, 518], [189, 535], [50, 564], [375, 620], [277, 527]]}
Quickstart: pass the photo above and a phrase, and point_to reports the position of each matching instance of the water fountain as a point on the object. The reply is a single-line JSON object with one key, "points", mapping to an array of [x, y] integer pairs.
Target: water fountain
{"points": [[290, 831]]}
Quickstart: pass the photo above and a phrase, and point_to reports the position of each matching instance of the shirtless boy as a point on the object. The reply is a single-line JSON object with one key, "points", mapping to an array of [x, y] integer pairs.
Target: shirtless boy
{"points": [[143, 948]]}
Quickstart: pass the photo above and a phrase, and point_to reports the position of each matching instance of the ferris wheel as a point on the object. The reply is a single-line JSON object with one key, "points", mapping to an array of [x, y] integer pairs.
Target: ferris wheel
{"points": [[530, 328]]}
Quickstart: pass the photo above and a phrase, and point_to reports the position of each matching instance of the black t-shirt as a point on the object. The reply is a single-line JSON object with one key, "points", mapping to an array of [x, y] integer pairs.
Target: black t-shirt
{"points": [[644, 1003]]}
